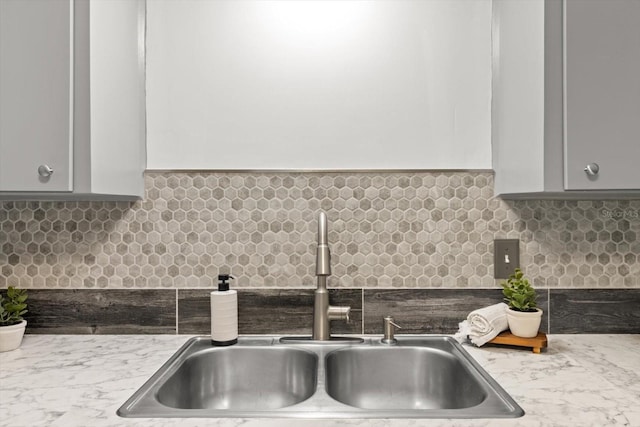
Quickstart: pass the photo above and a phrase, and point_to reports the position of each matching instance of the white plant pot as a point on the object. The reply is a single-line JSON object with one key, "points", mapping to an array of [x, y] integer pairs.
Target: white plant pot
{"points": [[523, 324], [11, 336]]}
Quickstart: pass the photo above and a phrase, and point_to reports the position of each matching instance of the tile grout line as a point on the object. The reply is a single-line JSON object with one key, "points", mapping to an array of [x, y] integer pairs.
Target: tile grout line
{"points": [[293, 288], [177, 320], [362, 299], [549, 311]]}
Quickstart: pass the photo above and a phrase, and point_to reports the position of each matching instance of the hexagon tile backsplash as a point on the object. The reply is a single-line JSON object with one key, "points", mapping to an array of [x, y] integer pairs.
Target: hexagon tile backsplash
{"points": [[387, 230]]}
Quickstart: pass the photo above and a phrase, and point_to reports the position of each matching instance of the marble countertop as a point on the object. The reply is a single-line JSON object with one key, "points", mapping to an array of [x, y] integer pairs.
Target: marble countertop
{"points": [[81, 380]]}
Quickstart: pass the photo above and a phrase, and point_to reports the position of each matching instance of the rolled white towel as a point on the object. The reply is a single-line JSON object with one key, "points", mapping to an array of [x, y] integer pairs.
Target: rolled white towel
{"points": [[484, 324]]}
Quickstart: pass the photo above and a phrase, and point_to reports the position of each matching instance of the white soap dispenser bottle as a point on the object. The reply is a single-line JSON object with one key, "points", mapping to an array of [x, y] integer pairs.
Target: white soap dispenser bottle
{"points": [[224, 313]]}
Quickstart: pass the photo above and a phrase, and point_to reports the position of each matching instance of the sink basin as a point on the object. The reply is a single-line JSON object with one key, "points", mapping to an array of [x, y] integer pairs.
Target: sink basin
{"points": [[241, 378], [404, 378], [268, 376]]}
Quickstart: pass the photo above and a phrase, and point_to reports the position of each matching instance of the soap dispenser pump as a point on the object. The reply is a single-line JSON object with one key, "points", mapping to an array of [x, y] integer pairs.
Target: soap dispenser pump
{"points": [[224, 313]]}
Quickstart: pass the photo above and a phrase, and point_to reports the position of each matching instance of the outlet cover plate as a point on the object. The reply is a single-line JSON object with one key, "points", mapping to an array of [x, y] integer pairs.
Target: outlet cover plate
{"points": [[506, 257]]}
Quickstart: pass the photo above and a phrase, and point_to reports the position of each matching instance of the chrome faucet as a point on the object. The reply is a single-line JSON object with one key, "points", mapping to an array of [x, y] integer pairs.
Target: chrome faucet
{"points": [[323, 313], [389, 331]]}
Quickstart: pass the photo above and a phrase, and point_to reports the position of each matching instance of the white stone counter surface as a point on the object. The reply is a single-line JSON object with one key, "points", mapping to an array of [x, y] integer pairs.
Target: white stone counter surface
{"points": [[81, 380]]}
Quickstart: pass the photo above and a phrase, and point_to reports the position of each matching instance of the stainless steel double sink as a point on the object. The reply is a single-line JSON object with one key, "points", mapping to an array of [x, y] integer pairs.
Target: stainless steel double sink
{"points": [[268, 376]]}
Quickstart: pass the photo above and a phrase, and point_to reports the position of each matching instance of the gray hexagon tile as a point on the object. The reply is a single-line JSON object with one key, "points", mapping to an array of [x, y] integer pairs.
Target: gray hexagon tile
{"points": [[387, 230]]}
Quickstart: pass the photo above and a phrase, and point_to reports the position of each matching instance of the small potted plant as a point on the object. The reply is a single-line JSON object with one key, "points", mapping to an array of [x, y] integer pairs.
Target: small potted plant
{"points": [[523, 314], [12, 325]]}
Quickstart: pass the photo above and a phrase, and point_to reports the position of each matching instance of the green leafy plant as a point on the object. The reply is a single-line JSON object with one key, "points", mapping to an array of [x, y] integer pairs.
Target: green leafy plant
{"points": [[13, 306], [518, 293]]}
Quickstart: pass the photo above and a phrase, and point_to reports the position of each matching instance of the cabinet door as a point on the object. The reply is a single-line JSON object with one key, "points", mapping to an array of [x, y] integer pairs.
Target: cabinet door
{"points": [[602, 94], [35, 95]]}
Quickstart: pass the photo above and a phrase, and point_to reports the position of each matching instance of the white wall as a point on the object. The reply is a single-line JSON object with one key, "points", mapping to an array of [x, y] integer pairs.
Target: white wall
{"points": [[319, 84]]}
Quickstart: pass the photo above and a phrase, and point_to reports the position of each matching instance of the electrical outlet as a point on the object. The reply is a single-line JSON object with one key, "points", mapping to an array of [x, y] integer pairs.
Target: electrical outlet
{"points": [[506, 257]]}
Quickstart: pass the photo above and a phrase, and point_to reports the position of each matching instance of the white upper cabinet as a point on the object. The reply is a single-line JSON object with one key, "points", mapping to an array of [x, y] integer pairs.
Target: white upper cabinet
{"points": [[319, 84], [36, 105], [602, 89], [72, 105], [566, 98]]}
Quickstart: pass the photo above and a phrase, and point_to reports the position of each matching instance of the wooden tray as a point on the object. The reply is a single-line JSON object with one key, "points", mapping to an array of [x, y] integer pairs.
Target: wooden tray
{"points": [[536, 343]]}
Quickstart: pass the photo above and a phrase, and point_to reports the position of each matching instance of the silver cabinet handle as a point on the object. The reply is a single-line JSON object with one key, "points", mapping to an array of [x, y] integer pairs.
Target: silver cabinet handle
{"points": [[592, 169], [45, 171]]}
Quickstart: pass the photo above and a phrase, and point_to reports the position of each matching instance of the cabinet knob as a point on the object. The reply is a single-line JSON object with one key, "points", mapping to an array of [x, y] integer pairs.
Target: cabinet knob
{"points": [[45, 171], [592, 169]]}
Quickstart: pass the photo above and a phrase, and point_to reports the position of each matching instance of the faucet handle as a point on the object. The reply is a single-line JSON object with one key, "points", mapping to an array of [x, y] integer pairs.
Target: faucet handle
{"points": [[389, 325], [338, 313], [389, 320]]}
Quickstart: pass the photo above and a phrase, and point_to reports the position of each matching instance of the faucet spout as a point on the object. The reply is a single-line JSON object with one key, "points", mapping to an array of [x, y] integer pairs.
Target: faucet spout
{"points": [[323, 313], [323, 254]]}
